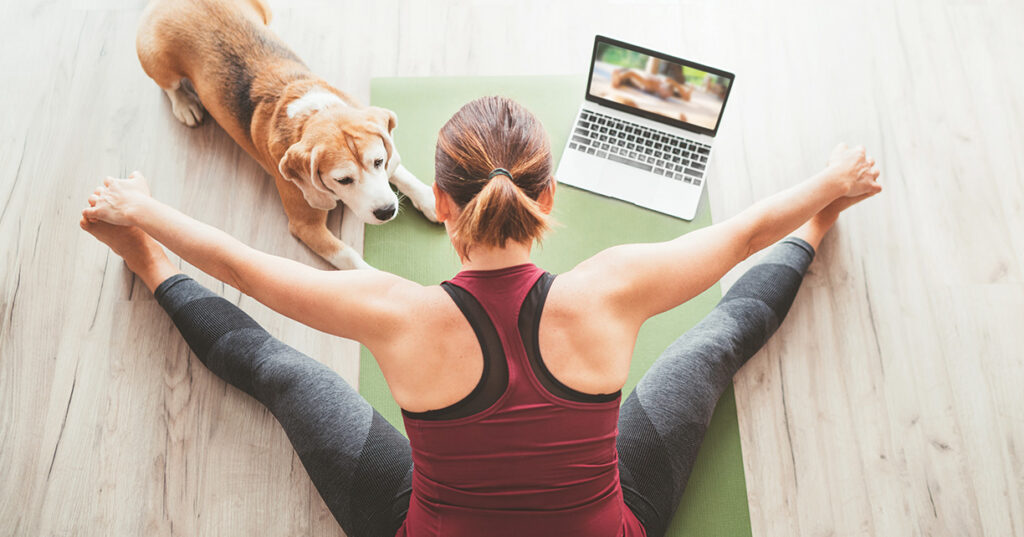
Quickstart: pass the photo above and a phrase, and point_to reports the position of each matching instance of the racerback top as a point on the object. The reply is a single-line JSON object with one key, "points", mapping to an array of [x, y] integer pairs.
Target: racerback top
{"points": [[522, 454]]}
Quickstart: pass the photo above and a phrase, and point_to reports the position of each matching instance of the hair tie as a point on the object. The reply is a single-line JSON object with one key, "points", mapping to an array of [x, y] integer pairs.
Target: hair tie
{"points": [[501, 171]]}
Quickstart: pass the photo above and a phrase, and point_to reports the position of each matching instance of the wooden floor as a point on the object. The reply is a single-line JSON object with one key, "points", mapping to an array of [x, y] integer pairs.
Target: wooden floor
{"points": [[889, 403]]}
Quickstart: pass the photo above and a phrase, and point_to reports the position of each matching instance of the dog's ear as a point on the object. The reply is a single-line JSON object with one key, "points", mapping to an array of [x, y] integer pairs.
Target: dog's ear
{"points": [[387, 120], [299, 165], [385, 117]]}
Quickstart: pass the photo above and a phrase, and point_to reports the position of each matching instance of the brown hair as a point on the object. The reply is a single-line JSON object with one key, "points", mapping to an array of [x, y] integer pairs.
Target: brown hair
{"points": [[490, 133]]}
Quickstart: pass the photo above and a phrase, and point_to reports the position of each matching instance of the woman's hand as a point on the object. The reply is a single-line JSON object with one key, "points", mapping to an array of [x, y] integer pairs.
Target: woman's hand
{"points": [[856, 168], [117, 200]]}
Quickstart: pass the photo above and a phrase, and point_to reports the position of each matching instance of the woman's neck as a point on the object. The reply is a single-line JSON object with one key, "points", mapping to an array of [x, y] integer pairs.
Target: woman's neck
{"points": [[493, 257]]}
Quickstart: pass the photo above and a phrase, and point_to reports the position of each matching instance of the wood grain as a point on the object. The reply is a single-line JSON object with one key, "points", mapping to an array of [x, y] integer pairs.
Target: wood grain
{"points": [[887, 404]]}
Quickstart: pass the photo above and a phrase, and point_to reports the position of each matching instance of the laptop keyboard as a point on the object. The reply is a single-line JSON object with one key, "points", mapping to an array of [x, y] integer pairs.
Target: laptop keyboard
{"points": [[650, 150]]}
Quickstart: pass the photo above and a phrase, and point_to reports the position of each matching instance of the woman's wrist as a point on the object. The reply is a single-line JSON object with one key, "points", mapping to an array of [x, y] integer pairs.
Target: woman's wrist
{"points": [[138, 211], [838, 181]]}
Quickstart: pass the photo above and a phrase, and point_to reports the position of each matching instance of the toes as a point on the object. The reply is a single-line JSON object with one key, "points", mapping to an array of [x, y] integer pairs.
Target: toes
{"points": [[197, 113], [189, 111], [107, 181], [184, 116]]}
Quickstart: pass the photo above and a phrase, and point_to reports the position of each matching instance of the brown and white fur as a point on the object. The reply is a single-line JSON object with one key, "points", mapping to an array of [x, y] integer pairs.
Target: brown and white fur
{"points": [[318, 143]]}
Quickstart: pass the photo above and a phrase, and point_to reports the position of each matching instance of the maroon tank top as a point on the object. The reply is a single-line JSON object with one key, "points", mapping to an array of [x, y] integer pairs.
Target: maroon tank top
{"points": [[522, 454]]}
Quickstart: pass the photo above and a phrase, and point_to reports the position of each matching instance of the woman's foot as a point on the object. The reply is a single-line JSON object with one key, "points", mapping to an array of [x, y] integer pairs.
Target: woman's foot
{"points": [[143, 255]]}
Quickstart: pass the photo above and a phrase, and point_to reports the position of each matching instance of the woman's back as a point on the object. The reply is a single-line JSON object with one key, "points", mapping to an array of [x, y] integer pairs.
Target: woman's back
{"points": [[522, 454]]}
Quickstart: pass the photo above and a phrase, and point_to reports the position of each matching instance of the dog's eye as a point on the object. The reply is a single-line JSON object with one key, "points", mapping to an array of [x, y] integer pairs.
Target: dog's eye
{"points": [[378, 162], [346, 181]]}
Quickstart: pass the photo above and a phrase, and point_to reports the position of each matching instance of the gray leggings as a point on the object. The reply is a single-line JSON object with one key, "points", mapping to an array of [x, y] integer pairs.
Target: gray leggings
{"points": [[362, 466]]}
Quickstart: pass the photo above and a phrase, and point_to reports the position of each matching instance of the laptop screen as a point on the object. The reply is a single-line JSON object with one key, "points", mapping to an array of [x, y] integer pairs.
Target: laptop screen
{"points": [[657, 86]]}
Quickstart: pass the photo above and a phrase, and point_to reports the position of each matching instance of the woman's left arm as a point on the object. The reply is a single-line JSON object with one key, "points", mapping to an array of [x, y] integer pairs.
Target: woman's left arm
{"points": [[356, 304]]}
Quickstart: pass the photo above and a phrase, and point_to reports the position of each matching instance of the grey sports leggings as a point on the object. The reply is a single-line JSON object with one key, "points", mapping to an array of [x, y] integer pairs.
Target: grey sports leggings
{"points": [[362, 466]]}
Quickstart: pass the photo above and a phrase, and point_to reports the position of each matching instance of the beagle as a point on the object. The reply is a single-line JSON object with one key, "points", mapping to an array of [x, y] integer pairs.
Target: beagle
{"points": [[317, 142]]}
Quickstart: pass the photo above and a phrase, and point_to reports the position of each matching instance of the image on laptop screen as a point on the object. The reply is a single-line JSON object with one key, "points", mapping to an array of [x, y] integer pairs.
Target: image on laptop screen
{"points": [[678, 92]]}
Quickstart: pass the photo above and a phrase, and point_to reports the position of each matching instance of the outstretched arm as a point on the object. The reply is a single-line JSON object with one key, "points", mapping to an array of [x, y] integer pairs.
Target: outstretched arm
{"points": [[357, 304], [642, 280]]}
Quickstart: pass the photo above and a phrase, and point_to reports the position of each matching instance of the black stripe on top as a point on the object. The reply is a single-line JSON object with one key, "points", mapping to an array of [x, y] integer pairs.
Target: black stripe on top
{"points": [[494, 379], [529, 330], [236, 69]]}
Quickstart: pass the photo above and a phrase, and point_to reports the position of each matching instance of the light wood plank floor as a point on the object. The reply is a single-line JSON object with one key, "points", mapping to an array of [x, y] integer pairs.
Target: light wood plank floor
{"points": [[889, 403]]}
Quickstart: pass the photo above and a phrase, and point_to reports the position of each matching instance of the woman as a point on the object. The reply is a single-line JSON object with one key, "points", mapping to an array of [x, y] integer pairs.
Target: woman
{"points": [[513, 416]]}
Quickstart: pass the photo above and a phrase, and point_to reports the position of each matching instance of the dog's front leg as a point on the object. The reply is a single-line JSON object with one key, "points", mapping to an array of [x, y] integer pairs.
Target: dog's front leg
{"points": [[421, 195], [327, 246], [309, 225]]}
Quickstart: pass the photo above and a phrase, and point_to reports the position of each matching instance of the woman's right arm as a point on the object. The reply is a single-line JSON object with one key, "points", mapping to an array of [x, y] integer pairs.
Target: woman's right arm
{"points": [[642, 280], [364, 305]]}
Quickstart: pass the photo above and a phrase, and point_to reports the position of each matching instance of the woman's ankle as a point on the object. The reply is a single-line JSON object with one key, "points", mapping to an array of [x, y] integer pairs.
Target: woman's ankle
{"points": [[814, 230], [152, 267]]}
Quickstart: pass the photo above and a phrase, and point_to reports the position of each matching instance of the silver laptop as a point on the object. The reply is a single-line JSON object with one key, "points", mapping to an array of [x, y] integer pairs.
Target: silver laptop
{"points": [[645, 129]]}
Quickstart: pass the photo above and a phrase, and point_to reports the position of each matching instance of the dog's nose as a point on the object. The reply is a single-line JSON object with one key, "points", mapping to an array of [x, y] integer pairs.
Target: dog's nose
{"points": [[385, 213]]}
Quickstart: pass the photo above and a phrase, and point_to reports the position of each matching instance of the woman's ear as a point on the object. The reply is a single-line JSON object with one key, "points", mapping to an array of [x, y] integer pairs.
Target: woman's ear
{"points": [[547, 197], [443, 203]]}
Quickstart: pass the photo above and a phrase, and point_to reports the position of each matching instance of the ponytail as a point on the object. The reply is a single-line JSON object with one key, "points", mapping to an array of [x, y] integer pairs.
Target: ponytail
{"points": [[499, 213]]}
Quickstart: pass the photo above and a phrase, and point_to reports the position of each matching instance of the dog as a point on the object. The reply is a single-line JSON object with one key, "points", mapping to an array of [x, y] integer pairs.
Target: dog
{"points": [[318, 143]]}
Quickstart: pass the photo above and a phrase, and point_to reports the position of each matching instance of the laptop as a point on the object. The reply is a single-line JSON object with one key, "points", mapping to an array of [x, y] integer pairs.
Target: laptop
{"points": [[644, 131]]}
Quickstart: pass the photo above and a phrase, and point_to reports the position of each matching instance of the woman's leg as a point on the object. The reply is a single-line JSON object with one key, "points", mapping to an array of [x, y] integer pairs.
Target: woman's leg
{"points": [[360, 464], [662, 423]]}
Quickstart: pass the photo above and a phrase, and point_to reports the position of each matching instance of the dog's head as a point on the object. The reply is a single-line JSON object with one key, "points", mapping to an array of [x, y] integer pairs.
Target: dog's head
{"points": [[346, 154]]}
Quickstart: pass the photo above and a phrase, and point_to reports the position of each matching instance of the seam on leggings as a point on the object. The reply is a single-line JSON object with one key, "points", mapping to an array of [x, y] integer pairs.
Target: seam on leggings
{"points": [[801, 243], [768, 292], [205, 327], [166, 285]]}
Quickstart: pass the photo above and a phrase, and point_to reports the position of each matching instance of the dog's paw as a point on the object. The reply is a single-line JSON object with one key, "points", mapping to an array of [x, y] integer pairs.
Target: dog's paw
{"points": [[186, 106], [428, 209], [425, 204], [347, 259]]}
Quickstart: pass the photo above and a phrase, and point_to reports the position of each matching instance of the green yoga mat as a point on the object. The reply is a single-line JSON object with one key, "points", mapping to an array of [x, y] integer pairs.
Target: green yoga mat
{"points": [[715, 502]]}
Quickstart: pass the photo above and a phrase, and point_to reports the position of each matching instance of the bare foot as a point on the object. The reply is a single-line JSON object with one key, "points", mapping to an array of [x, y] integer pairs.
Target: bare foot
{"points": [[143, 255]]}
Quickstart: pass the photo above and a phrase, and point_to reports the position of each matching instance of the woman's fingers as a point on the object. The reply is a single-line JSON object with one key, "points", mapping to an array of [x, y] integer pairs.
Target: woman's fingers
{"points": [[110, 201]]}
